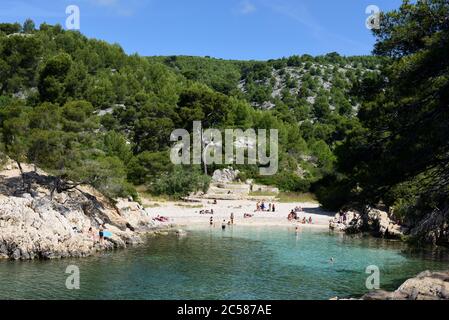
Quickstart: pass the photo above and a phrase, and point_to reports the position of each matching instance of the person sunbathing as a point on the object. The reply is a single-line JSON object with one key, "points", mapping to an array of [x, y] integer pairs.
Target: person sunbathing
{"points": [[161, 218]]}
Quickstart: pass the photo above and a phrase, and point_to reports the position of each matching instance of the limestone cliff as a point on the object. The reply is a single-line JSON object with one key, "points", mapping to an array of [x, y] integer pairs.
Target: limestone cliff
{"points": [[34, 223]]}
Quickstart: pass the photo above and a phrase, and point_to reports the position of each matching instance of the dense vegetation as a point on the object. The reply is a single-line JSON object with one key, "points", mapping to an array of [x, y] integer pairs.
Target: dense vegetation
{"points": [[399, 154], [85, 111], [311, 101], [354, 130]]}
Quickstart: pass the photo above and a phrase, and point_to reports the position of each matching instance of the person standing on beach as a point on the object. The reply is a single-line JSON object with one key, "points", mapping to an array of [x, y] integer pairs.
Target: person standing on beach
{"points": [[273, 208], [211, 221], [223, 225], [101, 234], [232, 217]]}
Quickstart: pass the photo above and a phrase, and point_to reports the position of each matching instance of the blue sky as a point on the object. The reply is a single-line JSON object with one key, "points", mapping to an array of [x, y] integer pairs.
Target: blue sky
{"points": [[230, 29]]}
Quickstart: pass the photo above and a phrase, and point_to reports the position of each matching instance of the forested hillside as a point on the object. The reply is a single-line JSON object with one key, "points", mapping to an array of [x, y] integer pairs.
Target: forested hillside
{"points": [[297, 81], [399, 154], [87, 112], [355, 130], [316, 97]]}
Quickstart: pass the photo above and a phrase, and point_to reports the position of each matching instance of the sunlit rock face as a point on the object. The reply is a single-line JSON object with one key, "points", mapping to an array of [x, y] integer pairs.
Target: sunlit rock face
{"points": [[37, 223]]}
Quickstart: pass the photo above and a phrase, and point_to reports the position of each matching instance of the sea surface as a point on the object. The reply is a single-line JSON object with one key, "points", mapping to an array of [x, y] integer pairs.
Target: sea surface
{"points": [[273, 263]]}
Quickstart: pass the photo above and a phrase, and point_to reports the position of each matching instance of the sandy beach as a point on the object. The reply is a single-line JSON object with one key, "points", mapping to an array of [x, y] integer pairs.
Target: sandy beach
{"points": [[188, 214]]}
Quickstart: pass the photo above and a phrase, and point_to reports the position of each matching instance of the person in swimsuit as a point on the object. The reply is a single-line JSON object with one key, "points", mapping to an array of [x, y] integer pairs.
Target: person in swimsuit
{"points": [[101, 234], [223, 225]]}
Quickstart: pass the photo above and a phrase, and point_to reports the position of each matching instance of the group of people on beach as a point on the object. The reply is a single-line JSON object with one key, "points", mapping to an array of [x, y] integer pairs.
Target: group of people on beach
{"points": [[261, 206], [224, 223], [293, 216], [98, 236], [341, 217]]}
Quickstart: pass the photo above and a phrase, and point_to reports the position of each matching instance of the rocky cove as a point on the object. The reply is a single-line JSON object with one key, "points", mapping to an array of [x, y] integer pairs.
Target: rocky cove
{"points": [[432, 229], [37, 222], [41, 224]]}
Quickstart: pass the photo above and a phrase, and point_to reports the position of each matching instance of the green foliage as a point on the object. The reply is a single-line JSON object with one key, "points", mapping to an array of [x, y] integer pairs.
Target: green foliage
{"points": [[10, 28], [52, 78], [398, 154], [107, 174], [180, 182], [72, 104], [147, 166], [28, 26]]}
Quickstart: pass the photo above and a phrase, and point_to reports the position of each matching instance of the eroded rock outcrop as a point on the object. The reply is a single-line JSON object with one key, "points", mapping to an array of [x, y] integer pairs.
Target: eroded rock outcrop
{"points": [[426, 286], [39, 224], [434, 228], [225, 175], [374, 221]]}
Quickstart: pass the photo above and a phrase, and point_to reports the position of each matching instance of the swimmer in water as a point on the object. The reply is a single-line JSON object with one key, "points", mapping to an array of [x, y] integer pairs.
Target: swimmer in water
{"points": [[332, 260]]}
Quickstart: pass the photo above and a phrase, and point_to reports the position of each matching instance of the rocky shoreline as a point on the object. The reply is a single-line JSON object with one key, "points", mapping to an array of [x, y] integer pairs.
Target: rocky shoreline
{"points": [[40, 225], [425, 286], [374, 221], [432, 229]]}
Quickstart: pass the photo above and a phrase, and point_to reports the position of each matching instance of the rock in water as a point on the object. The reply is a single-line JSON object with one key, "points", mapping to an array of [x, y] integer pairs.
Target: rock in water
{"points": [[426, 286]]}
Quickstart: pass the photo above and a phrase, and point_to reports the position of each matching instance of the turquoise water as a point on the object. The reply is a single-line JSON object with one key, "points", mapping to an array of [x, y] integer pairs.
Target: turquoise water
{"points": [[239, 263]]}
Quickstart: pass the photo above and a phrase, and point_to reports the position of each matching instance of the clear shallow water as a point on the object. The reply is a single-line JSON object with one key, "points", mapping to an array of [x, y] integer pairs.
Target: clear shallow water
{"points": [[240, 263]]}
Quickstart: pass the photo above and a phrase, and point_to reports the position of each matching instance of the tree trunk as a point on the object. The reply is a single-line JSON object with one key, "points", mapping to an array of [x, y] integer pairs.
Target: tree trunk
{"points": [[22, 174]]}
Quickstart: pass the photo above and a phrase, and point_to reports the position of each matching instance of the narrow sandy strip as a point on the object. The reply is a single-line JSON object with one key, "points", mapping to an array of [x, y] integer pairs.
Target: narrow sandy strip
{"points": [[187, 214]]}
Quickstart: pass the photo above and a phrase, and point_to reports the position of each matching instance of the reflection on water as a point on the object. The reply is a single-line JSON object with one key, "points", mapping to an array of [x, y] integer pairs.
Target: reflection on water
{"points": [[239, 263]]}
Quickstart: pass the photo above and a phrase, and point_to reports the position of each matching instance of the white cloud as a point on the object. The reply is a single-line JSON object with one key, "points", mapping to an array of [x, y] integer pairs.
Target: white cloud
{"points": [[246, 7]]}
